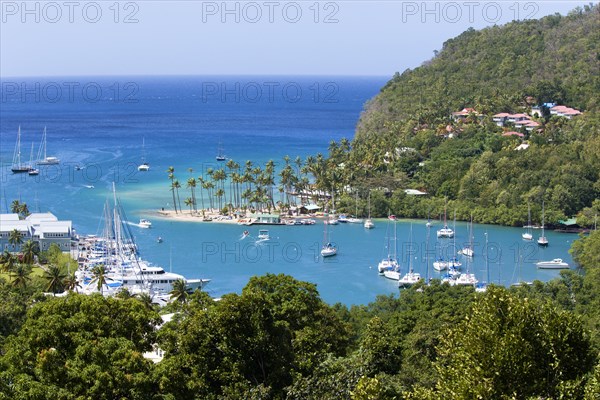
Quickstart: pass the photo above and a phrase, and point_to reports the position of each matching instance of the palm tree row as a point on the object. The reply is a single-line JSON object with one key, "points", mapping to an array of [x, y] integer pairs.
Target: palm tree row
{"points": [[253, 187], [235, 188]]}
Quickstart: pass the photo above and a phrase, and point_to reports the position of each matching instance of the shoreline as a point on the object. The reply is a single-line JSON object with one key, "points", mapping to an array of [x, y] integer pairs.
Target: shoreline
{"points": [[196, 216]]}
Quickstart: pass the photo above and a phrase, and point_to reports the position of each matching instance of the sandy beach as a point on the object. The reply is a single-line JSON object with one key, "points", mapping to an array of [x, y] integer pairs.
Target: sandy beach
{"points": [[196, 216]]}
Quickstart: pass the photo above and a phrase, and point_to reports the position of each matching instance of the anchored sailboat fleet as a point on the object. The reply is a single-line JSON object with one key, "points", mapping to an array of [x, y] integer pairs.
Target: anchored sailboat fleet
{"points": [[123, 267]]}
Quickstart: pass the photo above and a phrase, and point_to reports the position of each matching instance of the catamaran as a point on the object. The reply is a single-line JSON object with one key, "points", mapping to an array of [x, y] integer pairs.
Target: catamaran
{"points": [[43, 158], [17, 166]]}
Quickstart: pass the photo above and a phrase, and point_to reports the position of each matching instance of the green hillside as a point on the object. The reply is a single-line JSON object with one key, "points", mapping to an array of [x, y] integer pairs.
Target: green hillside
{"points": [[407, 138]]}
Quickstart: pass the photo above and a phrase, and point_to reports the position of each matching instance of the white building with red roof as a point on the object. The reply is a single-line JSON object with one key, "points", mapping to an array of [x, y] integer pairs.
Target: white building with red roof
{"points": [[564, 111]]}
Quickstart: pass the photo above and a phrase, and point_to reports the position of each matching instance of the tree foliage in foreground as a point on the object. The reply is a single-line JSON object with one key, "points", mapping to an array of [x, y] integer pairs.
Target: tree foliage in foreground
{"points": [[80, 347]]}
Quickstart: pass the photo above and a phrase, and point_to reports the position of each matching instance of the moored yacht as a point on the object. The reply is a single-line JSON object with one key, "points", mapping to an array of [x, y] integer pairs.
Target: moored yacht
{"points": [[557, 263], [43, 158]]}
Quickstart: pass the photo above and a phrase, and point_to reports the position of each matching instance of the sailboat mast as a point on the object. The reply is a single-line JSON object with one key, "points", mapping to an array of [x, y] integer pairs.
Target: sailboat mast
{"points": [[487, 265], [17, 153], [44, 143], [427, 255]]}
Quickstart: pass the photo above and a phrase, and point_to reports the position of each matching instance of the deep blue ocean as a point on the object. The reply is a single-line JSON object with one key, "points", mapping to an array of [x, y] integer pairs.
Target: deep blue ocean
{"points": [[100, 124]]}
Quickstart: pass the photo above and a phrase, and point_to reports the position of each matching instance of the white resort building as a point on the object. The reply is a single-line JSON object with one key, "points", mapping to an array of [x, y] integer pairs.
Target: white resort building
{"points": [[43, 228]]}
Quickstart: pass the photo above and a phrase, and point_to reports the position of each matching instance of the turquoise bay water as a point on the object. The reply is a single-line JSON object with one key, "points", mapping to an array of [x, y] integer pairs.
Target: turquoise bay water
{"points": [[182, 124]]}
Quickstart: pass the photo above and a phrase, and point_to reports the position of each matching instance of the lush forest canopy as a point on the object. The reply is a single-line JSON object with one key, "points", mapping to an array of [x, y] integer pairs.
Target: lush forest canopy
{"points": [[279, 340], [406, 137]]}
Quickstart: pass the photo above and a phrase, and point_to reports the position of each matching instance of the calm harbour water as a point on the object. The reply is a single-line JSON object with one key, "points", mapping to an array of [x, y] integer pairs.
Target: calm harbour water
{"points": [[182, 121]]}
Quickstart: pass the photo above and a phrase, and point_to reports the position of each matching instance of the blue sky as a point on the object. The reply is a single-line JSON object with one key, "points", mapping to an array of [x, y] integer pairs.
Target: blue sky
{"points": [[239, 38]]}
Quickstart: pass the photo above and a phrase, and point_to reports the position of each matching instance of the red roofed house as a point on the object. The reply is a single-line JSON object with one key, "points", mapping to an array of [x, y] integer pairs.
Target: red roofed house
{"points": [[500, 119], [564, 111], [517, 117]]}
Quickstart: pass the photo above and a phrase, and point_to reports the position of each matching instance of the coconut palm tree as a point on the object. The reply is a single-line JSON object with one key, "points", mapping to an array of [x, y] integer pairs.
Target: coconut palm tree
{"points": [[15, 238], [177, 186], [7, 261], [219, 195], [24, 210], [29, 250], [146, 299], [70, 282], [209, 186], [171, 172], [55, 278], [179, 291], [189, 203], [99, 276], [20, 275], [191, 184], [201, 183], [15, 207]]}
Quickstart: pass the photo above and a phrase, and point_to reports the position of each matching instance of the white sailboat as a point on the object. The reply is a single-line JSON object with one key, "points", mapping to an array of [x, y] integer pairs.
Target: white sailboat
{"points": [[32, 171], [17, 166], [389, 266], [369, 222], [332, 220], [411, 277], [329, 249], [353, 219], [144, 166], [527, 235], [220, 156], [542, 240], [468, 249], [43, 158], [445, 232]]}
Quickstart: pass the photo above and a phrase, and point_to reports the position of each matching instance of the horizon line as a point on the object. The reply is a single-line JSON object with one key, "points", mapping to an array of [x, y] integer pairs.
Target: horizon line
{"points": [[388, 76]]}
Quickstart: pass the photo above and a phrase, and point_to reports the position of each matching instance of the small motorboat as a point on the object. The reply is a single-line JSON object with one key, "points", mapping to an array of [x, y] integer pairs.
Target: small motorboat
{"points": [[144, 223], [557, 263], [263, 235], [245, 234], [159, 240], [369, 224]]}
